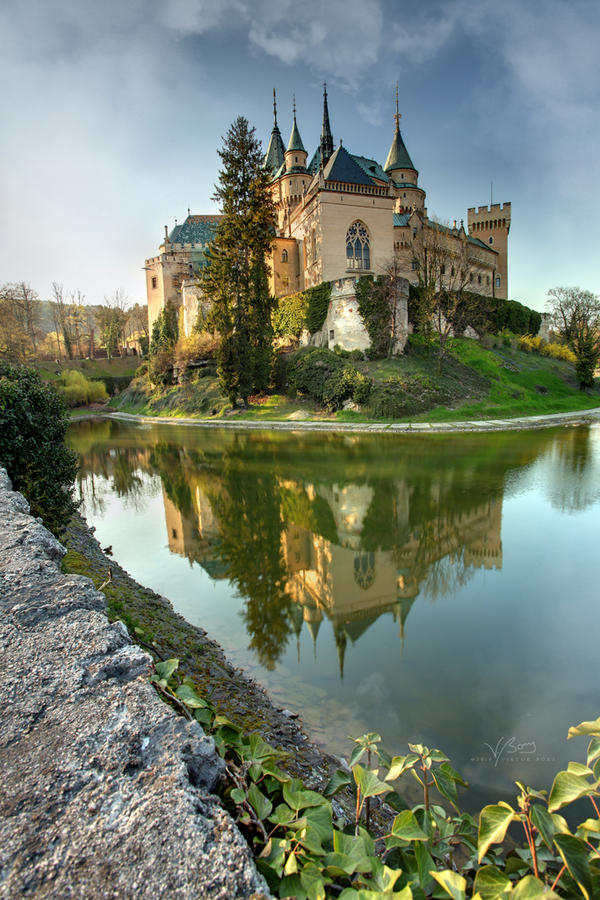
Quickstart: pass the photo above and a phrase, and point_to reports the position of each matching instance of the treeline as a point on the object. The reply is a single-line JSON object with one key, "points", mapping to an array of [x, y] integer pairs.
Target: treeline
{"points": [[65, 326], [483, 314]]}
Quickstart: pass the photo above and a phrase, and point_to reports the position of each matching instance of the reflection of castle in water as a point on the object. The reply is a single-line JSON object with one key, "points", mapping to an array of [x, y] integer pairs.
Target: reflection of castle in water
{"points": [[329, 573]]}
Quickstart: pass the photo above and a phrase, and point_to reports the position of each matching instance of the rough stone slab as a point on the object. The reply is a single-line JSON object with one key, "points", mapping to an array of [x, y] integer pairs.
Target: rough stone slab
{"points": [[104, 791]]}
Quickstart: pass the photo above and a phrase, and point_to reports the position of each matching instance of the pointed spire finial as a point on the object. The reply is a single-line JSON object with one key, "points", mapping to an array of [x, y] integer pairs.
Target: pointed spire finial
{"points": [[294, 105], [274, 109], [397, 116], [326, 143]]}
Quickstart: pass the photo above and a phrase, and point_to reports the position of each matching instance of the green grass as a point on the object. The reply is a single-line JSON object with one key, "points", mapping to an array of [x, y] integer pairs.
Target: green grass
{"points": [[92, 368], [475, 383]]}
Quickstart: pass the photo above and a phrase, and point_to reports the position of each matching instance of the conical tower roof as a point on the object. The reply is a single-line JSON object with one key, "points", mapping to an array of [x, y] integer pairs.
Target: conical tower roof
{"points": [[398, 157], [275, 151], [295, 141]]}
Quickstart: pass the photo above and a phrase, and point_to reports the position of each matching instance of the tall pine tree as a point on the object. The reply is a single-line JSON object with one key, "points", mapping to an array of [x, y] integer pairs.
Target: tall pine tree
{"points": [[236, 277]]}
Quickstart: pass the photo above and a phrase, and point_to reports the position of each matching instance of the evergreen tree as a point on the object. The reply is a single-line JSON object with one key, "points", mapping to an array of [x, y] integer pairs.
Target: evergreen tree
{"points": [[236, 276]]}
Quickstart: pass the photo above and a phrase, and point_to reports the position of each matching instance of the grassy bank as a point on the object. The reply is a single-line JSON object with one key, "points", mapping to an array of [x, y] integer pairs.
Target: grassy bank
{"points": [[475, 383]]}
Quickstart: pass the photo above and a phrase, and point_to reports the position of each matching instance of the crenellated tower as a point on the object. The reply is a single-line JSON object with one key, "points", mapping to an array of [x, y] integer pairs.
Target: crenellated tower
{"points": [[490, 225]]}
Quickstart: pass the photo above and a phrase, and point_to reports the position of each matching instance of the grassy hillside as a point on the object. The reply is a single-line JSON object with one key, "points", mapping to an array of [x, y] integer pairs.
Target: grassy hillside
{"points": [[475, 383]]}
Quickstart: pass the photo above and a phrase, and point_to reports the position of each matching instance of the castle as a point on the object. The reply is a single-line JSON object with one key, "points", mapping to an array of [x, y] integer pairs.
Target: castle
{"points": [[339, 216]]}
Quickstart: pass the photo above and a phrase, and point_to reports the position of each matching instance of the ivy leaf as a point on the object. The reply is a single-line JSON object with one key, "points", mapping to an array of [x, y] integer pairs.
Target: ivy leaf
{"points": [[544, 823], [593, 751], [531, 888], [165, 669], [446, 784], [261, 805], [584, 728], [338, 780], [282, 815], [298, 798], [493, 824], [590, 826], [424, 865], [401, 764], [368, 782], [406, 827], [188, 695], [313, 882], [319, 822], [574, 854], [454, 885], [491, 883], [353, 847], [237, 795], [577, 768], [567, 787]]}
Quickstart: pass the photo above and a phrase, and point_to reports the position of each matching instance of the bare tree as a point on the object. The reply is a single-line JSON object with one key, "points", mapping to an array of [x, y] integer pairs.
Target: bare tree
{"points": [[111, 318], [62, 318], [576, 315]]}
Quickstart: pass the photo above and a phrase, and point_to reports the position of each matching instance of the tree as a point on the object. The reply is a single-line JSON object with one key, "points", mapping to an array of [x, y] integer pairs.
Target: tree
{"points": [[111, 319], [575, 314], [33, 422], [137, 324], [443, 262], [19, 321], [236, 275]]}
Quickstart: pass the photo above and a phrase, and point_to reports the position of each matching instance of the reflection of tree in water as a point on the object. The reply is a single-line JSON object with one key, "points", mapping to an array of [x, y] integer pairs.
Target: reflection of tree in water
{"points": [[575, 480], [446, 576], [248, 509]]}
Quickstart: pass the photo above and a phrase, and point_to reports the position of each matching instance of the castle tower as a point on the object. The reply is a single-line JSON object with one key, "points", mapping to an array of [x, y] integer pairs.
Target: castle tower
{"points": [[405, 178], [275, 151], [491, 224], [326, 145], [295, 155]]}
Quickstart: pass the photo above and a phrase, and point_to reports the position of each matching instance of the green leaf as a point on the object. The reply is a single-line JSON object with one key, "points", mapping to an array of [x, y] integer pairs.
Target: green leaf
{"points": [[338, 864], [368, 782], [446, 785], [357, 753], [165, 669], [574, 853], [544, 823], [296, 797], [491, 883], [282, 815], [338, 780], [454, 885], [577, 768], [424, 864], [188, 695], [567, 788], [291, 886], [291, 865], [319, 822], [593, 751], [401, 764], [493, 823], [237, 795], [261, 805], [438, 756], [406, 827], [354, 847], [590, 826], [585, 728], [313, 882], [531, 888]]}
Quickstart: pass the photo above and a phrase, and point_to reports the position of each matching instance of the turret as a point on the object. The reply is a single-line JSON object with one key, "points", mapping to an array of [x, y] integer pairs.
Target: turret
{"points": [[275, 152], [402, 173], [491, 224], [295, 155]]}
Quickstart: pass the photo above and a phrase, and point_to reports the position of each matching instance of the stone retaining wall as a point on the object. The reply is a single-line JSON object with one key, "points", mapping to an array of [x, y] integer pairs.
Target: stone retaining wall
{"points": [[104, 791]]}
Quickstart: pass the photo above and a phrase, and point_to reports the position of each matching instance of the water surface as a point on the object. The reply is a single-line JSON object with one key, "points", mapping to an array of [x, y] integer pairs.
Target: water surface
{"points": [[440, 589]]}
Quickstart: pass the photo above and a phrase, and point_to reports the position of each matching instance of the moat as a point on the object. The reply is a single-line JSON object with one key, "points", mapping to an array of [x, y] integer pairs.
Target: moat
{"points": [[440, 589]]}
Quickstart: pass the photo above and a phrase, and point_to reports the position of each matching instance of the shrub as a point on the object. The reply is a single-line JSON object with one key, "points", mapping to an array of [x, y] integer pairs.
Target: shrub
{"points": [[33, 422], [327, 379], [559, 351], [77, 390], [289, 316], [160, 366], [198, 346]]}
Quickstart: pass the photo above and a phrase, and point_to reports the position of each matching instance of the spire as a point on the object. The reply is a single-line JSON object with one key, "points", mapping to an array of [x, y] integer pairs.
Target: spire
{"points": [[326, 145], [398, 157], [275, 151], [295, 141]]}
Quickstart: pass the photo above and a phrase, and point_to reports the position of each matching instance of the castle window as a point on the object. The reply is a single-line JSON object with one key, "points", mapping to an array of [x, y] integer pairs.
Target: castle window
{"points": [[479, 279], [154, 281], [331, 334], [491, 240], [470, 276], [284, 256], [452, 271], [415, 265], [442, 269], [358, 251], [498, 281]]}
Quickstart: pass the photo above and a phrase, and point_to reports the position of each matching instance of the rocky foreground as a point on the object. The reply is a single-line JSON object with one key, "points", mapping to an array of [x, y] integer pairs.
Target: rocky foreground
{"points": [[104, 791]]}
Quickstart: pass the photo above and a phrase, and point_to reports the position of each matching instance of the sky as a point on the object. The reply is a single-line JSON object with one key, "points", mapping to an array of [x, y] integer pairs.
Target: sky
{"points": [[112, 114]]}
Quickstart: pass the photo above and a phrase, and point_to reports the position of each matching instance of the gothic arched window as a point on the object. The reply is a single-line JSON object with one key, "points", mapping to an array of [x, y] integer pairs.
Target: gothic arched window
{"points": [[358, 251], [364, 570], [284, 256]]}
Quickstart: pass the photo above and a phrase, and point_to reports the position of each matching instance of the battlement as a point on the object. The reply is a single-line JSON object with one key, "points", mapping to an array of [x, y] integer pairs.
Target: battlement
{"points": [[474, 212]]}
